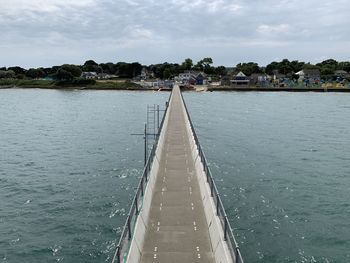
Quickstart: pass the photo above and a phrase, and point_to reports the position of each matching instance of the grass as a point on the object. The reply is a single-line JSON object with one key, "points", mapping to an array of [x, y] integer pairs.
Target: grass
{"points": [[48, 84]]}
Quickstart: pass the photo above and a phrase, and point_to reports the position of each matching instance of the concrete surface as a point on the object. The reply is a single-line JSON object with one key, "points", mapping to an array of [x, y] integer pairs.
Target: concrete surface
{"points": [[177, 229]]}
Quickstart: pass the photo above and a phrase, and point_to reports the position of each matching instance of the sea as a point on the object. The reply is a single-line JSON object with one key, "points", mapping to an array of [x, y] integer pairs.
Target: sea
{"points": [[70, 164]]}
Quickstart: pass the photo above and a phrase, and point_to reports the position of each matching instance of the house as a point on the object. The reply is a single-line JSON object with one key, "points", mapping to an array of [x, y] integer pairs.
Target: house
{"points": [[146, 74], [240, 79], [193, 78], [163, 84], [259, 79], [89, 75], [312, 75], [340, 73], [225, 80]]}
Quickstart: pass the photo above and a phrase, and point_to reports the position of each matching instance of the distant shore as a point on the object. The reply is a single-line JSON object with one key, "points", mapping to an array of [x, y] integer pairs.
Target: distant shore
{"points": [[279, 89], [129, 85]]}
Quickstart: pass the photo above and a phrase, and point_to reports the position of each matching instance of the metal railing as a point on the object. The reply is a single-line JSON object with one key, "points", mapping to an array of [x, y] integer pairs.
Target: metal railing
{"points": [[123, 246], [220, 210]]}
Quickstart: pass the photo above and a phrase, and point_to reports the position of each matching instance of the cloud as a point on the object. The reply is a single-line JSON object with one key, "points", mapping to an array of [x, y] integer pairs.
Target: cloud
{"points": [[170, 30]]}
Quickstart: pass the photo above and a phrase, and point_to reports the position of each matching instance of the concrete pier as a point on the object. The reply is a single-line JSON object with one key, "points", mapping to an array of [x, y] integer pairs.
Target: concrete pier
{"points": [[177, 214], [177, 229]]}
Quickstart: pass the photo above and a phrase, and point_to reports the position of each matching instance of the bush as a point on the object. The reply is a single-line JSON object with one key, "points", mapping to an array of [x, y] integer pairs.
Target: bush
{"points": [[76, 82]]}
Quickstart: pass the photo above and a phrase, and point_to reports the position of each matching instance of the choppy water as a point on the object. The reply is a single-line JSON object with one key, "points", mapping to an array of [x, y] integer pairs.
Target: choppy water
{"points": [[282, 162], [68, 168]]}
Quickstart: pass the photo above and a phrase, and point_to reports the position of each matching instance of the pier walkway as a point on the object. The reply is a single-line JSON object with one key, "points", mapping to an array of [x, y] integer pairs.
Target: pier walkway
{"points": [[177, 214], [178, 231]]}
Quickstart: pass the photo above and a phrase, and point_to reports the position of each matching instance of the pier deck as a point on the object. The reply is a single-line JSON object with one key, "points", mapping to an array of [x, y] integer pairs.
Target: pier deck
{"points": [[177, 229]]}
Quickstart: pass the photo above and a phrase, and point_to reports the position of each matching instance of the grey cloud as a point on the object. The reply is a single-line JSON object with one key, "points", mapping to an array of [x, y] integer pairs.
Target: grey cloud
{"points": [[40, 32]]}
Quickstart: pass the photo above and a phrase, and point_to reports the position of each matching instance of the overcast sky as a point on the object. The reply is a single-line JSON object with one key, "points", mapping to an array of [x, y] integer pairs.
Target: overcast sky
{"points": [[52, 32]]}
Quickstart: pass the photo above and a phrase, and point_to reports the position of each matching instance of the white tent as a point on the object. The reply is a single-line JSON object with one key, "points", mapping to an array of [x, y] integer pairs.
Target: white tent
{"points": [[300, 73]]}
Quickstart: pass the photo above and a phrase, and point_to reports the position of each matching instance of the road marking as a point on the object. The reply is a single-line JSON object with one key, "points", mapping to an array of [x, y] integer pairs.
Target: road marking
{"points": [[195, 228], [158, 229], [158, 224], [155, 255], [197, 249], [156, 248], [194, 223], [199, 255]]}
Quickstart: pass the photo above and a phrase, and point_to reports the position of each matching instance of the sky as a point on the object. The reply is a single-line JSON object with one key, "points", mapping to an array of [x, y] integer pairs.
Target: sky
{"points": [[53, 32]]}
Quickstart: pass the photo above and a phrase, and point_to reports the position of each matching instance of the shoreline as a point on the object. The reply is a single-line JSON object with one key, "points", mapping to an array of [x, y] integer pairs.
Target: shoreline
{"points": [[195, 89], [278, 89], [84, 88]]}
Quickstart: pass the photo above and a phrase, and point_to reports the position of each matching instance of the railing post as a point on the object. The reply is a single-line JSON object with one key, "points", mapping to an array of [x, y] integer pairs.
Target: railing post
{"points": [[225, 229], [217, 204], [211, 187], [142, 187], [146, 175], [136, 204], [237, 254], [158, 119], [145, 138], [129, 227], [118, 254]]}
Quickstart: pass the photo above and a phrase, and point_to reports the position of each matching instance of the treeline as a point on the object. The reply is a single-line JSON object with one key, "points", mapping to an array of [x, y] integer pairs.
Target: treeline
{"points": [[166, 70]]}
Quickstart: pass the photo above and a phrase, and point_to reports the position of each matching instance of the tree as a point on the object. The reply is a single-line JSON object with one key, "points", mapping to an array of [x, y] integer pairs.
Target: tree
{"points": [[90, 66], [68, 72], [187, 64], [271, 67], [73, 69], [108, 68], [297, 66], [35, 73], [204, 65], [18, 70], [63, 74], [344, 66], [166, 73], [248, 68], [7, 74], [221, 71]]}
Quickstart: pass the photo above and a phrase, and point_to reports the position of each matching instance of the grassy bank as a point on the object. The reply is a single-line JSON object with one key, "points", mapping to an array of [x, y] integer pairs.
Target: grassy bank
{"points": [[75, 84]]}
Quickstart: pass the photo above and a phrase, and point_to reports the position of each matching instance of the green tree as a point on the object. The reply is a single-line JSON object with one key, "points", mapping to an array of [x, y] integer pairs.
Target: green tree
{"points": [[7, 74], [166, 73], [248, 68], [204, 65], [344, 66], [90, 66], [68, 72], [220, 71], [35, 73], [108, 68], [18, 70], [187, 64], [271, 67], [63, 74]]}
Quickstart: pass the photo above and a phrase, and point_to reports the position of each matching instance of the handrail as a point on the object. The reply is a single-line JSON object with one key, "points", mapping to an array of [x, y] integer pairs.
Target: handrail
{"points": [[126, 236], [220, 210]]}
